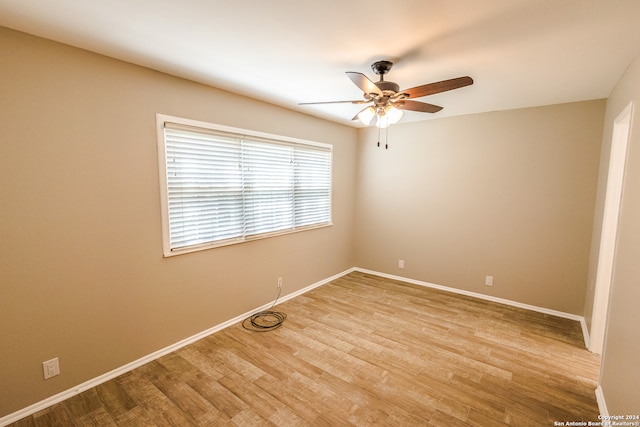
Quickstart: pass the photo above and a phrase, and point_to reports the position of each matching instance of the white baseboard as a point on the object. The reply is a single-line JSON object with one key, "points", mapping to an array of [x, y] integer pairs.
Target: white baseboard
{"points": [[57, 398], [602, 405], [585, 334]]}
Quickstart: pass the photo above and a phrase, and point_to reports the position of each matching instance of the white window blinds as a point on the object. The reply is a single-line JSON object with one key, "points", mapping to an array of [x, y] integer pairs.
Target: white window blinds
{"points": [[224, 188]]}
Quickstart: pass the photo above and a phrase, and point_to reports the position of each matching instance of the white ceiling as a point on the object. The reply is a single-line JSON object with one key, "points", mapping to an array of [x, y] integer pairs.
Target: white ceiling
{"points": [[520, 53]]}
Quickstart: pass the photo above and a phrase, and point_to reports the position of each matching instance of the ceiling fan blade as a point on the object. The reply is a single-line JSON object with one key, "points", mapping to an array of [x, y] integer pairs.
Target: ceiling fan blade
{"points": [[422, 107], [357, 101], [437, 87], [363, 82]]}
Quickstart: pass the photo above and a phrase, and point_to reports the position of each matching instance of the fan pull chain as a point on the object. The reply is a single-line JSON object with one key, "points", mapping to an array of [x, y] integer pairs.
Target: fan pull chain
{"points": [[386, 138]]}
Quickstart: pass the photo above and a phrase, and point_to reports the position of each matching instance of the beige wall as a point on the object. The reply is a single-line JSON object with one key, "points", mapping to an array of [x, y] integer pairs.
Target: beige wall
{"points": [[620, 375], [509, 194], [83, 277]]}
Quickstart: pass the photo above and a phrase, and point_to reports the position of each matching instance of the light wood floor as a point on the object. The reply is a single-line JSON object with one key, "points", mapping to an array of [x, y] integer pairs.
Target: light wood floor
{"points": [[360, 350]]}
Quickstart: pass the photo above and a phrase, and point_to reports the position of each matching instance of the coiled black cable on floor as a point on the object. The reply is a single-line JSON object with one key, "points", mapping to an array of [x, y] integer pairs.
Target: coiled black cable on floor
{"points": [[266, 320]]}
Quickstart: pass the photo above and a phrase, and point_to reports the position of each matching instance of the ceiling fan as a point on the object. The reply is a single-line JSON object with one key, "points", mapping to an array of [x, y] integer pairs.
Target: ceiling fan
{"points": [[387, 100]]}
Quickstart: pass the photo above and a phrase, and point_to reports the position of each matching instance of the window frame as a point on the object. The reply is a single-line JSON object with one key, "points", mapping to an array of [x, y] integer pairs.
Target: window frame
{"points": [[162, 119]]}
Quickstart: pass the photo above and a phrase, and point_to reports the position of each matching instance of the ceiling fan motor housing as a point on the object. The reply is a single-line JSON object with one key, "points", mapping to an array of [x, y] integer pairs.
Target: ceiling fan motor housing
{"points": [[387, 86]]}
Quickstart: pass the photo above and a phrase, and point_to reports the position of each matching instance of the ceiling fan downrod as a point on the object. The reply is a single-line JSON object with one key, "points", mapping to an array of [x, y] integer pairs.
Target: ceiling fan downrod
{"points": [[381, 68]]}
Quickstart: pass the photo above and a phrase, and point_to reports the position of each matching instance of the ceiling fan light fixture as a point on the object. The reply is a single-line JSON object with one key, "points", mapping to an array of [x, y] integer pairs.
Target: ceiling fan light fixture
{"points": [[366, 115], [383, 121], [393, 113], [387, 116]]}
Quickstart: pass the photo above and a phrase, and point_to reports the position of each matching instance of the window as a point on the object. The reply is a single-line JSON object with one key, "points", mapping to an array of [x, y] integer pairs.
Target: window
{"points": [[223, 186]]}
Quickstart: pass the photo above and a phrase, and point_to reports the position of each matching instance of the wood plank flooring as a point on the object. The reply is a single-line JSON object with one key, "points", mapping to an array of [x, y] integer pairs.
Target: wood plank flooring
{"points": [[361, 350]]}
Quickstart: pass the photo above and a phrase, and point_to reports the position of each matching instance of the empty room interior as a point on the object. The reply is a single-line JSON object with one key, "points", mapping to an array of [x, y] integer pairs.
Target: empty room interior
{"points": [[328, 213]]}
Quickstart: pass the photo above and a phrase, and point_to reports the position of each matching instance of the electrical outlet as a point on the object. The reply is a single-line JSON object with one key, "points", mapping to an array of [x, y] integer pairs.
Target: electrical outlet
{"points": [[51, 368], [279, 282], [488, 280], [400, 263]]}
